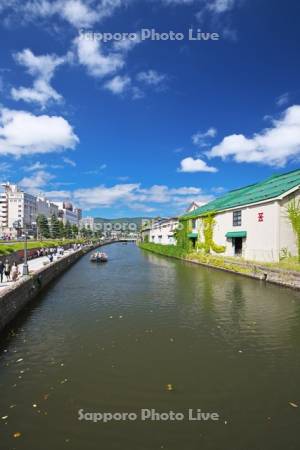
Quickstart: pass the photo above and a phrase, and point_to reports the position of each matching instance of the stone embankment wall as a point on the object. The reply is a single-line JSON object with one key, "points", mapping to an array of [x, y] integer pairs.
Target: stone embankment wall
{"points": [[19, 294]]}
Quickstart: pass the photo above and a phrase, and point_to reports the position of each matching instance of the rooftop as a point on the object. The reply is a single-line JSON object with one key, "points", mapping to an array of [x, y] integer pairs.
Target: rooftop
{"points": [[272, 187]]}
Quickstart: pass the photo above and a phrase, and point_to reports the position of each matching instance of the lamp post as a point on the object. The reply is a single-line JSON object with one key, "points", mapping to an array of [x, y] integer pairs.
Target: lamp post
{"points": [[17, 226], [25, 264]]}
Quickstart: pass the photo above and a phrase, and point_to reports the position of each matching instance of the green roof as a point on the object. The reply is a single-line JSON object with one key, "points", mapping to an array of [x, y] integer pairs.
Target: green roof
{"points": [[271, 188], [236, 234]]}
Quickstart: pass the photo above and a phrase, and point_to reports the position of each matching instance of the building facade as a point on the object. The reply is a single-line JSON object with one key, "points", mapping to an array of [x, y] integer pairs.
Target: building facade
{"points": [[162, 231], [252, 222], [67, 213]]}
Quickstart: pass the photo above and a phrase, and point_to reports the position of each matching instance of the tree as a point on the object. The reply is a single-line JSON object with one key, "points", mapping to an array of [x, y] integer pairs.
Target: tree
{"points": [[68, 230], [55, 228], [43, 226], [61, 229], [74, 231], [293, 211]]}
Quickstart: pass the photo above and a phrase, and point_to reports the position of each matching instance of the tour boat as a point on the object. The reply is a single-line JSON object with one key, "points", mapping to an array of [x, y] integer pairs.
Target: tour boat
{"points": [[99, 257]]}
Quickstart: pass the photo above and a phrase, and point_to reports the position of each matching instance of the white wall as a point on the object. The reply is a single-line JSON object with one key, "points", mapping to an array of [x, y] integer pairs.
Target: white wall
{"points": [[262, 242], [163, 232]]}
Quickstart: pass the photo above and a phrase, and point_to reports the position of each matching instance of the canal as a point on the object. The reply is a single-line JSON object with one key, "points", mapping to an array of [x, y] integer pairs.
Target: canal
{"points": [[142, 332]]}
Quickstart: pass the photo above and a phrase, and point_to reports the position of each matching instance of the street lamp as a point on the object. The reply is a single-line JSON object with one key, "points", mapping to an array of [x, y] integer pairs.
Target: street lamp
{"points": [[17, 226]]}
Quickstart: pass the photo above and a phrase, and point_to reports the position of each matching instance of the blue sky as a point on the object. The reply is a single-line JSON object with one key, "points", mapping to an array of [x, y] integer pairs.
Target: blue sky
{"points": [[144, 127]]}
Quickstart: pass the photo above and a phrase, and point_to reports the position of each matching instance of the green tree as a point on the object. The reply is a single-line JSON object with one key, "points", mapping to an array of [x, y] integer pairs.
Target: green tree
{"points": [[43, 226], [55, 228], [74, 231], [68, 230], [293, 211], [61, 229]]}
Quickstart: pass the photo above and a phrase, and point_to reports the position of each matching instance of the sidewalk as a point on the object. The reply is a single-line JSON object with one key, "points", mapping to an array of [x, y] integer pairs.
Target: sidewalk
{"points": [[34, 265]]}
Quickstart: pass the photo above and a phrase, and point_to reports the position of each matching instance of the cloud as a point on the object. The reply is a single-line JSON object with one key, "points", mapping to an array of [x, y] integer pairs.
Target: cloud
{"points": [[220, 6], [283, 99], [42, 68], [90, 54], [78, 13], [69, 162], [191, 165], [200, 138], [118, 85], [23, 133], [151, 77], [36, 182], [34, 167], [273, 146]]}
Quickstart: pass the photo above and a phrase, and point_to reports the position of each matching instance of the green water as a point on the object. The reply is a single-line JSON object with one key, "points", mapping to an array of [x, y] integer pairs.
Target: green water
{"points": [[109, 338]]}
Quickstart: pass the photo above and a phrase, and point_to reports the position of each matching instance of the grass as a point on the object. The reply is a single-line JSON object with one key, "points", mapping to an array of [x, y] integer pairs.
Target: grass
{"points": [[167, 250], [289, 264], [6, 249]]}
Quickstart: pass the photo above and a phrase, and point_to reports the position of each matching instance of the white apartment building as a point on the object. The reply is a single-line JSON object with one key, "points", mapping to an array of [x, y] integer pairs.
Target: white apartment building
{"points": [[162, 231], [67, 213], [17, 209], [88, 223], [45, 207]]}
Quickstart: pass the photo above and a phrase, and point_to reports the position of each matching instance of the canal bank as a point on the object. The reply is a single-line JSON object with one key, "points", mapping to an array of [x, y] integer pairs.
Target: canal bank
{"points": [[15, 297], [286, 278]]}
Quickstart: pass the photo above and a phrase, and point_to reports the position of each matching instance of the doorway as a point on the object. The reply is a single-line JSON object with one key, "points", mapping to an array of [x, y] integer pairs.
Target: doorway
{"points": [[238, 246]]}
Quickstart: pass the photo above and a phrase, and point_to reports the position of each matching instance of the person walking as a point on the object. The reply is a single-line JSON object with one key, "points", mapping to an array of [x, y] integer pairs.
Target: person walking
{"points": [[15, 272], [1, 271], [7, 269]]}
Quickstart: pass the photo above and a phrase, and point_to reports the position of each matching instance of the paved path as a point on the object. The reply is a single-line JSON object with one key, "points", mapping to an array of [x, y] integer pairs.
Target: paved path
{"points": [[34, 265]]}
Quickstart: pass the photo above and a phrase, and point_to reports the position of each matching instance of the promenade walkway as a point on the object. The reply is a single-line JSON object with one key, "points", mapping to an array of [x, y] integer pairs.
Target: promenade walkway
{"points": [[34, 265]]}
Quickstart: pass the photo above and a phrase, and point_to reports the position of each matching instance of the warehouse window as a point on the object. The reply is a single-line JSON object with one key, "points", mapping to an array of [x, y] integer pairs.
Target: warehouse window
{"points": [[237, 218]]}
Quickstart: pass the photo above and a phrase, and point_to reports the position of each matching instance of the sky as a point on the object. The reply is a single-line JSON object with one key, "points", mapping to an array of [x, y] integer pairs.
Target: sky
{"points": [[122, 121]]}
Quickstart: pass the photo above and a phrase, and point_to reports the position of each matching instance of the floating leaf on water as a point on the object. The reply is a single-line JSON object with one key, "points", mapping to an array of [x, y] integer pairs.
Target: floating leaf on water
{"points": [[169, 387], [294, 405], [17, 434], [4, 417], [19, 360]]}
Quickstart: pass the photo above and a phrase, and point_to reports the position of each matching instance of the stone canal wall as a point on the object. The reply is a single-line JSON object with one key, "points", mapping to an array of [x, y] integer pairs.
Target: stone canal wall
{"points": [[16, 297]]}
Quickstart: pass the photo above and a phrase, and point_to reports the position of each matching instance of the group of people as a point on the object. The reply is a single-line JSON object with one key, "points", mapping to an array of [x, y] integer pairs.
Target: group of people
{"points": [[11, 271]]}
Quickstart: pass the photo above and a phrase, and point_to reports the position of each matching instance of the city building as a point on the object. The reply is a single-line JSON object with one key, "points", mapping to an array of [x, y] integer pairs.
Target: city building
{"points": [[162, 231], [18, 210], [46, 207], [251, 222], [88, 223], [67, 213]]}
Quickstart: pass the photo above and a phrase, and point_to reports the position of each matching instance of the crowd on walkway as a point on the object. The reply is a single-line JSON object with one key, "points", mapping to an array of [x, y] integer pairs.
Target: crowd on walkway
{"points": [[10, 271]]}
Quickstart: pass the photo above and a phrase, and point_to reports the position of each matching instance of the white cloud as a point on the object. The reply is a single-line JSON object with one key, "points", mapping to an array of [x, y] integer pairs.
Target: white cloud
{"points": [[151, 77], [273, 146], [283, 99], [69, 162], [36, 182], [42, 68], [35, 166], [98, 64], [118, 84], [220, 6], [191, 165], [78, 13], [23, 133], [200, 138]]}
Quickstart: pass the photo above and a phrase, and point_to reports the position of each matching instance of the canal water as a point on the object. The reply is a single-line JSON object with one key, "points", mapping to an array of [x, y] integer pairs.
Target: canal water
{"points": [[148, 332]]}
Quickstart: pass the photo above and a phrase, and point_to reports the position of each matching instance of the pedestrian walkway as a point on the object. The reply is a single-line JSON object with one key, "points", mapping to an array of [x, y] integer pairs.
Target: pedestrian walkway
{"points": [[34, 265]]}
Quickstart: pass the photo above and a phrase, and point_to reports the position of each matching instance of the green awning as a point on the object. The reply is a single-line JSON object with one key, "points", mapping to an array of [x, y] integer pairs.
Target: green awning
{"points": [[236, 234], [193, 235]]}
